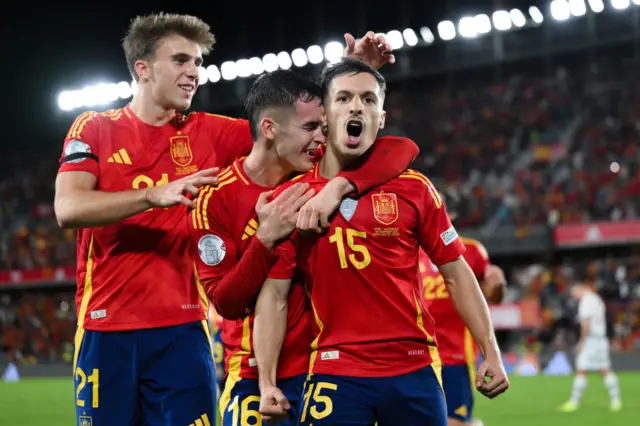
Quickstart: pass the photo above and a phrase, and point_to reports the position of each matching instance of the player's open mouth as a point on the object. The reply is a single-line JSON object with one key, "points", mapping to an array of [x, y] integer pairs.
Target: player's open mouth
{"points": [[354, 130], [311, 150], [188, 88]]}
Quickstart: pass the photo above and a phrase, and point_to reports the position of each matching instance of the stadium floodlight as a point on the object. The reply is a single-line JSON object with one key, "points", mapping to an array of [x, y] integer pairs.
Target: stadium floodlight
{"points": [[446, 30], [501, 20], [636, 2], [467, 27], [560, 10], [270, 62], [256, 65], [410, 37], [228, 70], [517, 17], [596, 6], [620, 4], [483, 23], [202, 76], [213, 74], [124, 90], [284, 60], [427, 35], [243, 67], [333, 51], [577, 7], [299, 57], [314, 53], [536, 15], [394, 37]]}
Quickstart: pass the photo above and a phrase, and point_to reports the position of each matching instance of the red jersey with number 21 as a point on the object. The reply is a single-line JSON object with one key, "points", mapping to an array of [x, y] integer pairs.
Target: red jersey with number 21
{"points": [[370, 317]]}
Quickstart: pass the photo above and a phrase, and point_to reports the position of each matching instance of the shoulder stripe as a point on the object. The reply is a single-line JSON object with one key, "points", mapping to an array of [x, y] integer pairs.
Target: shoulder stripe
{"points": [[224, 117], [412, 174], [113, 114], [199, 216], [225, 173], [78, 125]]}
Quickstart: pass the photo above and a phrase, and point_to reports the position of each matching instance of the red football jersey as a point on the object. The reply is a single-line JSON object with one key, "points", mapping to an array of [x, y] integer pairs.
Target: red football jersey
{"points": [[370, 317], [138, 273], [455, 344], [221, 226]]}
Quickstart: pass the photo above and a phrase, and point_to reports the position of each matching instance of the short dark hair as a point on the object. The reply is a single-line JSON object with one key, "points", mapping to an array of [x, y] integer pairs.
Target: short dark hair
{"points": [[278, 89], [348, 66]]}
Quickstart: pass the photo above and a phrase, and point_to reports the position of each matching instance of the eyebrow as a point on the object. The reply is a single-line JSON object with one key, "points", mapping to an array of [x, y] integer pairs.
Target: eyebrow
{"points": [[349, 93]]}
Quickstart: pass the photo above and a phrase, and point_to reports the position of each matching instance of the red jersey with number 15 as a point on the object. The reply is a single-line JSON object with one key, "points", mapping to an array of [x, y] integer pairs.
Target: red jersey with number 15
{"points": [[370, 317], [455, 344], [138, 273]]}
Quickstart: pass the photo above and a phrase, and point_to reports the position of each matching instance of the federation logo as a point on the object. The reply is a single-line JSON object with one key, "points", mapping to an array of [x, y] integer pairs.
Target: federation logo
{"points": [[385, 207], [76, 147], [449, 236], [85, 421], [348, 207], [180, 149], [211, 249]]}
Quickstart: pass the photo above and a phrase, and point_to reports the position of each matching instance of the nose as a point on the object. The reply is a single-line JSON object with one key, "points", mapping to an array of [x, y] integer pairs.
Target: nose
{"points": [[192, 71], [356, 106]]}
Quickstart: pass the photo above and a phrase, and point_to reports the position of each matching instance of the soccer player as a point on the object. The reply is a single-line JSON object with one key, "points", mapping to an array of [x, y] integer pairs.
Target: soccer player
{"points": [[285, 113], [142, 349], [374, 358], [593, 349]]}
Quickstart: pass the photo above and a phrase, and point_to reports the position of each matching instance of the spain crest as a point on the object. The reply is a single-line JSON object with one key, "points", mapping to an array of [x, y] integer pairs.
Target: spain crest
{"points": [[385, 207], [180, 150]]}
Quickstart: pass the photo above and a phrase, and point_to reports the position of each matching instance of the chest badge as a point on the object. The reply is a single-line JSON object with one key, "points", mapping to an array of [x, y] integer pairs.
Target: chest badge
{"points": [[180, 149], [348, 208], [385, 207]]}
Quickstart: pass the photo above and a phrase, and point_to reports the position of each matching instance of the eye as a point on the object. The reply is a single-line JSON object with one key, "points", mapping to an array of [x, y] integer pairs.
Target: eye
{"points": [[342, 99], [369, 100]]}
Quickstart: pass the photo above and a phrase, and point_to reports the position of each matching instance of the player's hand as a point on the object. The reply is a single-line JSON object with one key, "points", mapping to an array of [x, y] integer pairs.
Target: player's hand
{"points": [[176, 192], [278, 217], [314, 215], [372, 49], [498, 383], [274, 405]]}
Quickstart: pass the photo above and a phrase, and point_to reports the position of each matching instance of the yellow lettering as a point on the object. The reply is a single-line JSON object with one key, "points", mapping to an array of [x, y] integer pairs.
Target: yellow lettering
{"points": [[338, 239], [143, 181], [434, 288], [94, 379], [318, 399]]}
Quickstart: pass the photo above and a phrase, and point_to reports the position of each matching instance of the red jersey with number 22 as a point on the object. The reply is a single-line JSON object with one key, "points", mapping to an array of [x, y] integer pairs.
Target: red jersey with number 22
{"points": [[455, 344], [370, 317]]}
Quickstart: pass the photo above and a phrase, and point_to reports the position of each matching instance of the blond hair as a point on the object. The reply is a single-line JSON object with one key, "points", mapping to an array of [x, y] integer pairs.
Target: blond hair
{"points": [[146, 31]]}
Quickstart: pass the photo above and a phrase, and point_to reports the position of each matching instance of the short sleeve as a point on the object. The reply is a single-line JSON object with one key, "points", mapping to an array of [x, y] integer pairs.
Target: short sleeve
{"points": [[233, 138], [438, 237], [80, 150], [586, 308], [286, 265]]}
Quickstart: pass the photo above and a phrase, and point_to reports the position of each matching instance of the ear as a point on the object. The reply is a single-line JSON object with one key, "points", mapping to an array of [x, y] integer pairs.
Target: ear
{"points": [[143, 69], [383, 119], [268, 128]]}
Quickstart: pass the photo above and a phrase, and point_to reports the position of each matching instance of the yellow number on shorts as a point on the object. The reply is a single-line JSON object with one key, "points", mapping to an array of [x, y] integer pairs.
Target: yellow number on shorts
{"points": [[338, 239], [434, 288], [318, 399], [245, 412], [94, 379]]}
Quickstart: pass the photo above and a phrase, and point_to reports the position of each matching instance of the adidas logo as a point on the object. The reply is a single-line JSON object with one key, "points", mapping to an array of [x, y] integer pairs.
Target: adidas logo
{"points": [[202, 421], [250, 229], [462, 411], [120, 157]]}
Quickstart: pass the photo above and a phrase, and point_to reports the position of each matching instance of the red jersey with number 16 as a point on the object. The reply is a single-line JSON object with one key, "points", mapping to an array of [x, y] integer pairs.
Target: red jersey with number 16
{"points": [[370, 317], [455, 344], [138, 273]]}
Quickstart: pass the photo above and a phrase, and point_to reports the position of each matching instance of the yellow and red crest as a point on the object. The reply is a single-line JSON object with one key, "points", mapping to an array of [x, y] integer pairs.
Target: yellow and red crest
{"points": [[385, 207], [180, 150]]}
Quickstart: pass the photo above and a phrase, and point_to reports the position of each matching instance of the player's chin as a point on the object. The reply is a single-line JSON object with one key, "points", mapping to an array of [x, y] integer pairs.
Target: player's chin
{"points": [[303, 163]]}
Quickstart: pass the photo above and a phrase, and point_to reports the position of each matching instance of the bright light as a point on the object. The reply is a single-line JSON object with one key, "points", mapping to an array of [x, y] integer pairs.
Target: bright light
{"points": [[333, 51], [517, 18], [124, 90], [202, 76], [394, 38], [284, 60], [427, 35], [536, 15], [596, 5], [614, 167], [636, 2], [483, 23], [299, 57], [243, 66], [213, 73], [270, 62], [502, 20], [411, 38], [560, 10], [66, 101], [256, 65], [620, 4], [446, 30], [467, 27], [314, 53], [577, 7], [228, 70]]}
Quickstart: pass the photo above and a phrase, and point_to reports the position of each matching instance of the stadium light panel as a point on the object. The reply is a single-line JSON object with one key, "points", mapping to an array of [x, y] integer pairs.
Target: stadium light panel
{"points": [[228, 70], [577, 7], [333, 51], [560, 10], [299, 57], [410, 37], [243, 68], [270, 62], [501, 20], [213, 74], [314, 53], [620, 4], [256, 65], [636, 2], [536, 15], [446, 30], [467, 27], [596, 6], [483, 23], [202, 76], [284, 60], [394, 37], [427, 35], [517, 17], [124, 90]]}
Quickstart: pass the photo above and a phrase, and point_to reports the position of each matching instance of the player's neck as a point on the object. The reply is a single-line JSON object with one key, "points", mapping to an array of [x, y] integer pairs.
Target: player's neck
{"points": [[148, 111], [333, 162], [263, 167]]}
